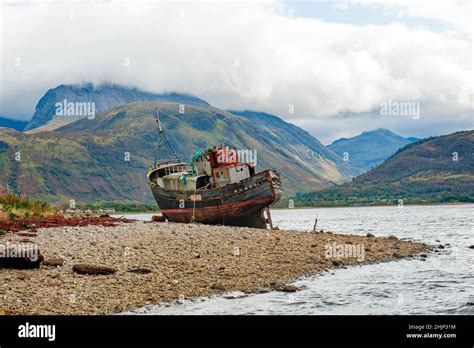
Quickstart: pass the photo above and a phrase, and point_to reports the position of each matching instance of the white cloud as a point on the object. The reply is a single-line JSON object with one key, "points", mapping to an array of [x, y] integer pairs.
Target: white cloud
{"points": [[455, 12], [323, 69]]}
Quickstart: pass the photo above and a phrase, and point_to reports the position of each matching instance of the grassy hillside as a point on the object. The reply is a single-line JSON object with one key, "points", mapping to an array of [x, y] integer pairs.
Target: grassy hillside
{"points": [[434, 170], [88, 160]]}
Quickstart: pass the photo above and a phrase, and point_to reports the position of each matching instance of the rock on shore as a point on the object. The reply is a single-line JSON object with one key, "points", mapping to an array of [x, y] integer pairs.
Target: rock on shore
{"points": [[156, 262]]}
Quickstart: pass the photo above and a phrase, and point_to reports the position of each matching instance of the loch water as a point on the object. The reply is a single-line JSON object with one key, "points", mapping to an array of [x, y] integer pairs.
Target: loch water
{"points": [[443, 283]]}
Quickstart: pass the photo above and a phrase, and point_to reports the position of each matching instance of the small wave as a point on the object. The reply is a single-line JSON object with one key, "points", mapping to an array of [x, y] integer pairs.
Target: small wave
{"points": [[467, 308], [297, 303]]}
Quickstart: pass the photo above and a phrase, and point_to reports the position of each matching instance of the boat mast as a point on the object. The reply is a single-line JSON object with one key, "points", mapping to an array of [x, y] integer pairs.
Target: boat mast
{"points": [[162, 132]]}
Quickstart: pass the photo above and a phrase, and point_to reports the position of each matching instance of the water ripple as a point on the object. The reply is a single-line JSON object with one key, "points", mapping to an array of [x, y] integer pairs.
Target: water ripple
{"points": [[443, 283]]}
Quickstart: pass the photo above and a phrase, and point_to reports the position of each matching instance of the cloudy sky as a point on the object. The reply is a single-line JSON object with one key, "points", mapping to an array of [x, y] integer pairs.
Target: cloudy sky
{"points": [[327, 66]]}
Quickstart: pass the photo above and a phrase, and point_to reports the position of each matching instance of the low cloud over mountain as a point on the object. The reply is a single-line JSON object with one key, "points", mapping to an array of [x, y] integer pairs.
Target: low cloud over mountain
{"points": [[312, 71]]}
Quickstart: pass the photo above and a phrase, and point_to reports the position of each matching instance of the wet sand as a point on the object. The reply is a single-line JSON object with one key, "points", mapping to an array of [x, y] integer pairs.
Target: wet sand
{"points": [[161, 262]]}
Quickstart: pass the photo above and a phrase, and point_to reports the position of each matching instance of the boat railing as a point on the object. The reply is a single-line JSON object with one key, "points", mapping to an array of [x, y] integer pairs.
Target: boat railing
{"points": [[179, 168]]}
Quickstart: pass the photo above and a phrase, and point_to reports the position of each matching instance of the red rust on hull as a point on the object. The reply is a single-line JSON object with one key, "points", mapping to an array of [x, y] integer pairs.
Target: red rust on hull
{"points": [[219, 207]]}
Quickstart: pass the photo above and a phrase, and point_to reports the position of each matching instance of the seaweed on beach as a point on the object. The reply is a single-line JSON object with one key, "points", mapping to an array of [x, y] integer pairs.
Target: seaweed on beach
{"points": [[33, 224]]}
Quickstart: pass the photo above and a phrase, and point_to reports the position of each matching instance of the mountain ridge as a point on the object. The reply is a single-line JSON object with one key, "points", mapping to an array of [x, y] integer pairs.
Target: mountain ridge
{"points": [[18, 125], [370, 148], [298, 134], [433, 170], [86, 160], [104, 96]]}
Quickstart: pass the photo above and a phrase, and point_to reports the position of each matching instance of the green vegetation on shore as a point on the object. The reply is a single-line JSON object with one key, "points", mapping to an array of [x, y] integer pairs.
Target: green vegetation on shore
{"points": [[14, 206], [334, 199]]}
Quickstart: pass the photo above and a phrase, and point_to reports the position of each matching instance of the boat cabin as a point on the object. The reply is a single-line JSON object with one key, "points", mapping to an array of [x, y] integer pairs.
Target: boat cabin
{"points": [[213, 167], [222, 166]]}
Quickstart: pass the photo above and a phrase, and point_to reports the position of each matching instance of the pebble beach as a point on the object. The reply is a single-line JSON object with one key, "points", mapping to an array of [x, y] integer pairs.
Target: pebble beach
{"points": [[155, 263]]}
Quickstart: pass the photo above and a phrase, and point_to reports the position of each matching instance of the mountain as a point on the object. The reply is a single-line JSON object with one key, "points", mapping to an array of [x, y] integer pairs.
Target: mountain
{"points": [[106, 158], [102, 97], [433, 170], [369, 149], [283, 132], [14, 124]]}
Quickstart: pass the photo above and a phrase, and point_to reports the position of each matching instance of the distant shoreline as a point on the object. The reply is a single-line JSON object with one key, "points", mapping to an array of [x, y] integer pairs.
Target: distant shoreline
{"points": [[375, 205], [318, 207]]}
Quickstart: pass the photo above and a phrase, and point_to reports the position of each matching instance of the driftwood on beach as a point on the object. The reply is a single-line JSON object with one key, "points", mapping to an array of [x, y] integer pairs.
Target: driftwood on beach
{"points": [[20, 256], [93, 269]]}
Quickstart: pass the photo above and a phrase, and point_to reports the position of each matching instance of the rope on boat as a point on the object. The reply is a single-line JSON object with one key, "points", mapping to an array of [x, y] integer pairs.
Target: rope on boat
{"points": [[194, 206]]}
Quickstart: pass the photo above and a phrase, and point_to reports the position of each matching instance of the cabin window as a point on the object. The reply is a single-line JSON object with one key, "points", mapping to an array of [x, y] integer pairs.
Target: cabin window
{"points": [[201, 182]]}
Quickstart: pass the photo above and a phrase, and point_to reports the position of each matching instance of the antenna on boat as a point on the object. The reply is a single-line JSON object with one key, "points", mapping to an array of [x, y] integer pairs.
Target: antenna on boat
{"points": [[159, 123], [162, 132]]}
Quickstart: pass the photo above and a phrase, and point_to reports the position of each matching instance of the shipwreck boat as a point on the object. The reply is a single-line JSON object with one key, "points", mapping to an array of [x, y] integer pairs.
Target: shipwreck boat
{"points": [[216, 188]]}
